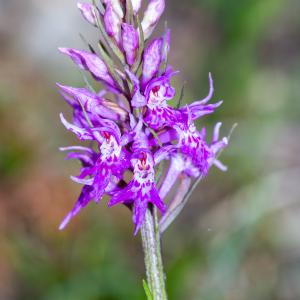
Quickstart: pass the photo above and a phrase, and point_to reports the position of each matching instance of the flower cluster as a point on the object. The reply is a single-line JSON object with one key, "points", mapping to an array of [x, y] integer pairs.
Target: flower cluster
{"points": [[130, 125]]}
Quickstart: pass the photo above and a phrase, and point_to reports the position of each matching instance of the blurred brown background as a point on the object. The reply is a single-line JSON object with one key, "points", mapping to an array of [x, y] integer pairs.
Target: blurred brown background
{"points": [[239, 236]]}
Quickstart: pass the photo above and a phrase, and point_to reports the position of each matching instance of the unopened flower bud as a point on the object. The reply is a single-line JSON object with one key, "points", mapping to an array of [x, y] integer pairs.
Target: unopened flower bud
{"points": [[152, 16], [89, 12]]}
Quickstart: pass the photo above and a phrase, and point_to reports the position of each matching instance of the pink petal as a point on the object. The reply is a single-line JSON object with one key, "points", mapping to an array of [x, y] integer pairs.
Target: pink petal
{"points": [[88, 11], [151, 60], [90, 62], [112, 23], [152, 15], [130, 42]]}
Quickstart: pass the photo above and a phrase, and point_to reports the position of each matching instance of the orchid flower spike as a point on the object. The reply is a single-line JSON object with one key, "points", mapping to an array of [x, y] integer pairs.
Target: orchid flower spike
{"points": [[131, 126]]}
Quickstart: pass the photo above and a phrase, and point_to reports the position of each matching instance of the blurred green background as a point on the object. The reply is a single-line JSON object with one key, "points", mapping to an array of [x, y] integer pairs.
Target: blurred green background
{"points": [[238, 238]]}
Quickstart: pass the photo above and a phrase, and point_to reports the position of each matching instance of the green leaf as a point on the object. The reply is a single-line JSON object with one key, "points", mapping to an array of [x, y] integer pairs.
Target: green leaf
{"points": [[154, 134], [87, 44], [181, 96], [129, 12], [110, 65], [85, 114], [141, 45], [164, 51], [147, 290]]}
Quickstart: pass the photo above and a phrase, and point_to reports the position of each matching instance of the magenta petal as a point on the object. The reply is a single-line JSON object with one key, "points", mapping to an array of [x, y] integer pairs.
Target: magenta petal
{"points": [[210, 92], [216, 147], [216, 132], [138, 100], [175, 168], [112, 23], [130, 42], [91, 102], [163, 153], [151, 60], [84, 158], [89, 12], [220, 165], [81, 133], [116, 5], [156, 200], [139, 212], [90, 62], [76, 148], [101, 180], [198, 110], [152, 15], [122, 196], [82, 180], [84, 198]]}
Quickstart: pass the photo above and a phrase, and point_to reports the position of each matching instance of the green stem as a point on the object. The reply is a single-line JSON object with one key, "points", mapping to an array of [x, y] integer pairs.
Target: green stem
{"points": [[153, 260]]}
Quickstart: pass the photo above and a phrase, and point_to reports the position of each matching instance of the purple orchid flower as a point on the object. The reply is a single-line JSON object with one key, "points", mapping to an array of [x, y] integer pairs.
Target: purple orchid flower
{"points": [[155, 96], [89, 12], [192, 156], [103, 168], [131, 125], [141, 190], [157, 92]]}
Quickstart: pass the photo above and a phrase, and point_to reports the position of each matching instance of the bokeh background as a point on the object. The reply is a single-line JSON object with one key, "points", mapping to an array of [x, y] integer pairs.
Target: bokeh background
{"points": [[239, 236]]}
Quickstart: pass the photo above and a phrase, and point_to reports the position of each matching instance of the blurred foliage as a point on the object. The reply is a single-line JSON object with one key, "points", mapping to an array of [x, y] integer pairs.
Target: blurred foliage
{"points": [[238, 238]]}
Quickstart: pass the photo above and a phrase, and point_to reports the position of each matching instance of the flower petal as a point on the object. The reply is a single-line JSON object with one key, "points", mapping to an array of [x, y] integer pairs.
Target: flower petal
{"points": [[139, 213], [198, 110], [90, 62], [81, 133], [77, 148], [88, 181], [85, 159], [220, 165], [122, 196], [85, 197], [88, 11], [138, 100], [175, 168], [152, 15], [136, 5], [151, 60], [112, 23], [130, 42], [91, 102], [116, 5], [156, 200], [216, 132]]}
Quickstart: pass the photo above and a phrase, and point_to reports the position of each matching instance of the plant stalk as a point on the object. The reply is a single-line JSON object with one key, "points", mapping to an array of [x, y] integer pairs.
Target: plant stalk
{"points": [[153, 260]]}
